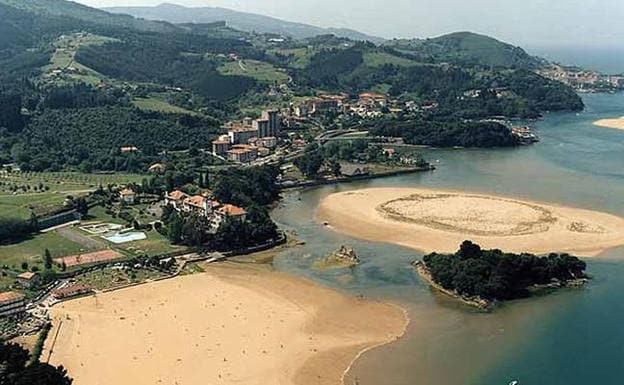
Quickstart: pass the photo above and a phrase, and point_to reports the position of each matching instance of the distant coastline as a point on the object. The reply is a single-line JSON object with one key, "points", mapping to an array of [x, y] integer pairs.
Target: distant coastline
{"points": [[617, 123]]}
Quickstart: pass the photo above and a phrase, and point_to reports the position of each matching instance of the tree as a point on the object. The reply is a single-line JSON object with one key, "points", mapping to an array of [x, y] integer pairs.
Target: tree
{"points": [[81, 205], [174, 229], [311, 161], [14, 369], [335, 167], [48, 259], [494, 275]]}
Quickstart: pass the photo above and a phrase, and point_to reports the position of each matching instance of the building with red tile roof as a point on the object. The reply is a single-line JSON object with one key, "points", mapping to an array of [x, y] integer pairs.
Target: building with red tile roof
{"points": [[73, 290], [12, 302]]}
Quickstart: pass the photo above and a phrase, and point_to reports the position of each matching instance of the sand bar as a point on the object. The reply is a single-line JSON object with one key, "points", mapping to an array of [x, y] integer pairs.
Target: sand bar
{"points": [[611, 123], [435, 220], [228, 325]]}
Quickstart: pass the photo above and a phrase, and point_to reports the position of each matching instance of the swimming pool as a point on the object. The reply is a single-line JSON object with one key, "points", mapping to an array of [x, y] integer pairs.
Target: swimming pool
{"points": [[126, 237]]}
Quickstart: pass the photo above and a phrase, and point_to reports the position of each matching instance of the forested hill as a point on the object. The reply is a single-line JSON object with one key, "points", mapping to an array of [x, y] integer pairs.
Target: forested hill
{"points": [[67, 68], [77, 11], [248, 22], [468, 49]]}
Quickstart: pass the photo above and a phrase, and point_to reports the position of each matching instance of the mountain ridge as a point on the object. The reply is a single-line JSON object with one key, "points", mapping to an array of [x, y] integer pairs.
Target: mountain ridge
{"points": [[244, 21]]}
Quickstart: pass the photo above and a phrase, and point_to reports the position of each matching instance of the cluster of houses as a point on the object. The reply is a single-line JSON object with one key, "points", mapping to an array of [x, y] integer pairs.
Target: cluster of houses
{"points": [[367, 105], [205, 205], [249, 139], [583, 80]]}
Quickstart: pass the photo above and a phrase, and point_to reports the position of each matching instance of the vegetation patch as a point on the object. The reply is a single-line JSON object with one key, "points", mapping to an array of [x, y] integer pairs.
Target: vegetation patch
{"points": [[154, 104], [261, 71], [483, 276]]}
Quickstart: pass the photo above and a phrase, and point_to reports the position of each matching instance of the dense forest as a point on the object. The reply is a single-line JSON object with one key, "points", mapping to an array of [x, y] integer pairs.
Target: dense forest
{"points": [[495, 275], [446, 133], [174, 60], [248, 186], [91, 138]]}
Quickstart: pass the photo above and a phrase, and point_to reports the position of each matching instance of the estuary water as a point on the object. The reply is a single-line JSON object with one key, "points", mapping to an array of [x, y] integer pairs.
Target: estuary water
{"points": [[574, 337]]}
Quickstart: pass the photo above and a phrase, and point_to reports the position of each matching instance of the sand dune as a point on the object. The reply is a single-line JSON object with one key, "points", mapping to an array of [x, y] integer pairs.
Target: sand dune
{"points": [[611, 123], [430, 220], [229, 325]]}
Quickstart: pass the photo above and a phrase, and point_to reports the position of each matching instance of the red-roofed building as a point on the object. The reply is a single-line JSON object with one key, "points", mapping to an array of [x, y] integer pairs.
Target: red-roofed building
{"points": [[11, 303], [232, 211], [70, 291], [373, 99], [128, 196], [176, 199]]}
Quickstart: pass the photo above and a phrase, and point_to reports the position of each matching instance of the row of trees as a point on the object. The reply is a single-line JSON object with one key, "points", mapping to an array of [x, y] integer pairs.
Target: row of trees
{"points": [[16, 229], [494, 275]]}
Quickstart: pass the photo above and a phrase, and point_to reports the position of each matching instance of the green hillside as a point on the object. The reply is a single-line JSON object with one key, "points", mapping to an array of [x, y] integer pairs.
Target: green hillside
{"points": [[77, 11], [80, 83], [466, 48]]}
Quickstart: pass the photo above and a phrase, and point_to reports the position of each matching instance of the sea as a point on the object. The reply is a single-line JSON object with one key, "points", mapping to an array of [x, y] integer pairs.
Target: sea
{"points": [[572, 337], [608, 60]]}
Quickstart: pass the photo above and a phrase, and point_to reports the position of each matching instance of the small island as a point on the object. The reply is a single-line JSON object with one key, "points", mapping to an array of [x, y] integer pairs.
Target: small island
{"points": [[344, 257], [482, 278]]}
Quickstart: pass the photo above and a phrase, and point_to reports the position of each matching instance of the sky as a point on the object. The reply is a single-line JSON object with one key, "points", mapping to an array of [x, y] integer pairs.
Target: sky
{"points": [[522, 22]]}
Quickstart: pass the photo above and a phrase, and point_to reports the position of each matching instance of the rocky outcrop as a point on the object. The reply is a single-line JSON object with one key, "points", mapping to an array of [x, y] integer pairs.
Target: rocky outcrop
{"points": [[345, 256]]}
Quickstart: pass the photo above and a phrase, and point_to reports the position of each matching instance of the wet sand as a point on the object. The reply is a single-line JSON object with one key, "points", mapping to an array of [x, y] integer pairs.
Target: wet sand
{"points": [[229, 325], [435, 220], [611, 123]]}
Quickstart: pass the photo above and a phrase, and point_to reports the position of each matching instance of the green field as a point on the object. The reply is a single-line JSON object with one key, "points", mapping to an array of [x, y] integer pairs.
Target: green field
{"points": [[63, 59], [154, 104], [300, 56], [24, 192], [155, 244], [261, 71], [32, 250]]}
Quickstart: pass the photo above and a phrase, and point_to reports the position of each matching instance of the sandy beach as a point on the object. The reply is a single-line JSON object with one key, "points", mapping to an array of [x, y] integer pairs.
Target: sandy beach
{"points": [[611, 123], [434, 220], [230, 325]]}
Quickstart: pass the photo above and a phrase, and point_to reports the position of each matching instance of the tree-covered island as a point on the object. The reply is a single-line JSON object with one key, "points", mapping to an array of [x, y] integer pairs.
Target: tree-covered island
{"points": [[483, 277]]}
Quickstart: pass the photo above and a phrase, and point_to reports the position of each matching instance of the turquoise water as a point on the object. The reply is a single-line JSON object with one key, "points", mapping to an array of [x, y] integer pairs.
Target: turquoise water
{"points": [[573, 337]]}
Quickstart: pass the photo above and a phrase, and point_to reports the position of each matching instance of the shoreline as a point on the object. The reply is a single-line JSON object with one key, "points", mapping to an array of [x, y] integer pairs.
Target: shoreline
{"points": [[408, 320], [476, 302], [323, 331], [614, 123], [431, 220], [488, 305]]}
